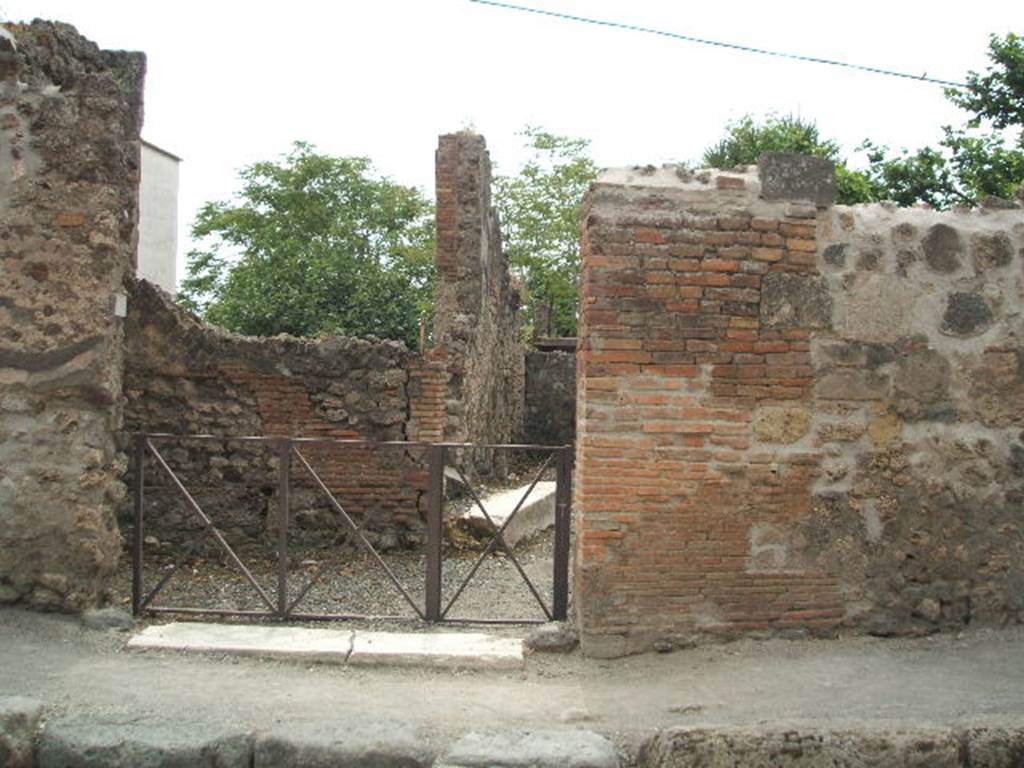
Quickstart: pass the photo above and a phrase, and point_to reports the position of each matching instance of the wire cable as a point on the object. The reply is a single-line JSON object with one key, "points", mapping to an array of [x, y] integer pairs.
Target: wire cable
{"points": [[717, 43]]}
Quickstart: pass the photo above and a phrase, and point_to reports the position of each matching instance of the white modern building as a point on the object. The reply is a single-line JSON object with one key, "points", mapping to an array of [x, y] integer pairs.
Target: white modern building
{"points": [[158, 217]]}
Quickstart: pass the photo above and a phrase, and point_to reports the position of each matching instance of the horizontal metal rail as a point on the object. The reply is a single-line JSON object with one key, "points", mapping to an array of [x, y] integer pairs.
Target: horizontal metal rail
{"points": [[160, 436]]}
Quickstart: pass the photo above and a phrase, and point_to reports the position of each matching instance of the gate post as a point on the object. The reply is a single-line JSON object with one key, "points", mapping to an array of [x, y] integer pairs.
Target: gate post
{"points": [[284, 464], [563, 515], [435, 460], [138, 535]]}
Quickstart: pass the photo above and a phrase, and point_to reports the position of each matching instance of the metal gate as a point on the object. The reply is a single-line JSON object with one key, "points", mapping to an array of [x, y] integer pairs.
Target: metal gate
{"points": [[284, 601]]}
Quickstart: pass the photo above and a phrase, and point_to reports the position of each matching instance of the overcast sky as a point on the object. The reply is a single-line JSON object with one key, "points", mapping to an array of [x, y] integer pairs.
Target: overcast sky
{"points": [[230, 83]]}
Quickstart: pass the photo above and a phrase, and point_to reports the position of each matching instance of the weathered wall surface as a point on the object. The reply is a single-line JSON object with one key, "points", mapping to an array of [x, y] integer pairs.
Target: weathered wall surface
{"points": [[795, 417], [476, 330], [70, 116], [550, 397], [184, 377]]}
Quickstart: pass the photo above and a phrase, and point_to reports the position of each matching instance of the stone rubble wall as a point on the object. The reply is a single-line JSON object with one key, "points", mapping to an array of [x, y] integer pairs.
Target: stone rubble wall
{"points": [[70, 116], [795, 417], [185, 377], [476, 329]]}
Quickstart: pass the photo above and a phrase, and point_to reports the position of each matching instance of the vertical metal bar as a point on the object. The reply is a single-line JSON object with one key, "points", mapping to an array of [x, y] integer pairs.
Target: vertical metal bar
{"points": [[435, 460], [563, 515], [138, 534], [284, 464]]}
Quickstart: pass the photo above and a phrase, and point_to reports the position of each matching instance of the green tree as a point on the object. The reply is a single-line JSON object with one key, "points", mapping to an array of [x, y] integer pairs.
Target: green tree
{"points": [[981, 158], [311, 245], [539, 209], [746, 140]]}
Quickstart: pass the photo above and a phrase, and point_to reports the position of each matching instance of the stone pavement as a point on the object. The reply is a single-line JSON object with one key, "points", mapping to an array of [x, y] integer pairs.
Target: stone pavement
{"points": [[938, 701]]}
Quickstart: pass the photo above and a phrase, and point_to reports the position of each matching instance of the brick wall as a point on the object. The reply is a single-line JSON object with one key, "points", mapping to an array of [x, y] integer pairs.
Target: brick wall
{"points": [[183, 377], [742, 346]]}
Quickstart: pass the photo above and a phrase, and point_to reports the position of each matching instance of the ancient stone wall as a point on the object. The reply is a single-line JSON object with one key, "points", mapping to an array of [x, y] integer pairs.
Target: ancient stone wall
{"points": [[549, 400], [70, 116], [795, 417], [76, 376], [476, 330], [184, 377]]}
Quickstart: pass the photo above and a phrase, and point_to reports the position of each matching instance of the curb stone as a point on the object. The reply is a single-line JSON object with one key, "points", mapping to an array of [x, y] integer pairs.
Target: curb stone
{"points": [[20, 720], [82, 743], [719, 747], [531, 749], [378, 743]]}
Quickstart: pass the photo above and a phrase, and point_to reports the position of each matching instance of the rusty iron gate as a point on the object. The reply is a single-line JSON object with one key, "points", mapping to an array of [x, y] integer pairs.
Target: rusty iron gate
{"points": [[282, 603]]}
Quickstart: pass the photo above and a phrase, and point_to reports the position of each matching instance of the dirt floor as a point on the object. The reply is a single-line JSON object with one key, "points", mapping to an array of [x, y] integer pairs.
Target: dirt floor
{"points": [[972, 679]]}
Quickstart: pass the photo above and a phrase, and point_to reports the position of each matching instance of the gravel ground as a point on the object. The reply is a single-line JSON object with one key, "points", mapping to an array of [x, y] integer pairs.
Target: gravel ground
{"points": [[355, 583]]}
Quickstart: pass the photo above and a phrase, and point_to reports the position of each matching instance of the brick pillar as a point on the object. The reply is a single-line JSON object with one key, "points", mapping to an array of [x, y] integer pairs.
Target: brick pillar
{"points": [[683, 517]]}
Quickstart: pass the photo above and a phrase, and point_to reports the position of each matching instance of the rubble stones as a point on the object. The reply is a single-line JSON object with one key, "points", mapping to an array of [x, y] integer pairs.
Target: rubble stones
{"points": [[991, 251], [943, 248], [109, 618], [554, 637], [967, 314]]}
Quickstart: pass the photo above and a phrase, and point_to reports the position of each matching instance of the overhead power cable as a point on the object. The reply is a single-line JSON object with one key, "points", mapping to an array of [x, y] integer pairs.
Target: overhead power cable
{"points": [[717, 43]]}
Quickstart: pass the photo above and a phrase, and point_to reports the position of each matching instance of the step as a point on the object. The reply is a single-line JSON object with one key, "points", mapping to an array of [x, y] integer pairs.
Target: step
{"points": [[453, 650], [536, 514]]}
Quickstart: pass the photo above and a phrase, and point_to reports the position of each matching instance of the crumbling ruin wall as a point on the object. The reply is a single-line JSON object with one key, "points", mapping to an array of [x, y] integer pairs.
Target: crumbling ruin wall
{"points": [[476, 330], [183, 377], [549, 399], [70, 116], [795, 417]]}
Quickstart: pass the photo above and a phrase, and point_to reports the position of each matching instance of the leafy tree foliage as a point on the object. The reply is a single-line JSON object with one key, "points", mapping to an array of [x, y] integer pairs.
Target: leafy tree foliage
{"points": [[312, 245], [982, 157], [969, 163], [539, 209], [746, 140]]}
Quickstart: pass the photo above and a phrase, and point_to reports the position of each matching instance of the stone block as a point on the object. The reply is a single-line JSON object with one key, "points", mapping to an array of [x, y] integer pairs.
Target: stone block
{"points": [[994, 747], [795, 301], [781, 425], [348, 743], [792, 176], [967, 314], [533, 514], [554, 636], [531, 749], [852, 384], [834, 255], [878, 308], [921, 380], [679, 747], [87, 743], [991, 251], [943, 248]]}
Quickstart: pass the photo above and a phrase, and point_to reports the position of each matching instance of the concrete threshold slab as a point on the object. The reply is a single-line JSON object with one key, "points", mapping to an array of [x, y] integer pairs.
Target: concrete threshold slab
{"points": [[323, 645], [461, 650]]}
